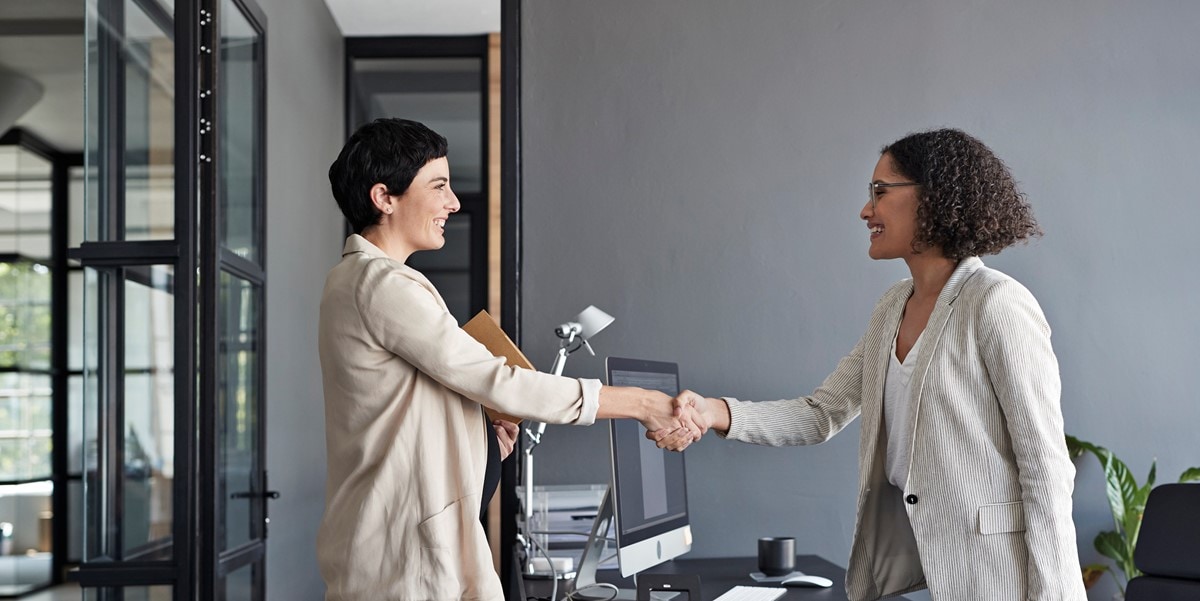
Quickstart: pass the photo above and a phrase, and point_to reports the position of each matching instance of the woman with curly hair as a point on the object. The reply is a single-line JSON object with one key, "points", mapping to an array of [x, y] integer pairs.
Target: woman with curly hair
{"points": [[965, 482]]}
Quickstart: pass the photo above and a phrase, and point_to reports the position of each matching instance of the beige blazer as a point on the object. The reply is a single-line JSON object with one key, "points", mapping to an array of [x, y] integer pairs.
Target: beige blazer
{"points": [[986, 512], [406, 438]]}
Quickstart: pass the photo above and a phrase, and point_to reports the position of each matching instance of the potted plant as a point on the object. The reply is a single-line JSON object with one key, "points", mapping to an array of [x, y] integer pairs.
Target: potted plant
{"points": [[1127, 500]]}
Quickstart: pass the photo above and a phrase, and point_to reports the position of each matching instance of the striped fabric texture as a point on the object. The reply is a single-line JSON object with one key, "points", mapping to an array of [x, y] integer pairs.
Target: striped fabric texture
{"points": [[986, 511]]}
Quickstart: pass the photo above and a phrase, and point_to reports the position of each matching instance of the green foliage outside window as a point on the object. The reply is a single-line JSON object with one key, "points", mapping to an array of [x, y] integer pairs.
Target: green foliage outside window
{"points": [[25, 399]]}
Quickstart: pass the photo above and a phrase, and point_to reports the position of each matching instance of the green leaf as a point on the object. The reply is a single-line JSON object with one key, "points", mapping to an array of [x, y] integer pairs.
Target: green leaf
{"points": [[1074, 447], [1111, 545], [1120, 487], [1134, 510], [1192, 474]]}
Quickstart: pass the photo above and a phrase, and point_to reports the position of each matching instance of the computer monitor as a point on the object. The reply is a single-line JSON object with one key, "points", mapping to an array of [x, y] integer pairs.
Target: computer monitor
{"points": [[647, 497]]}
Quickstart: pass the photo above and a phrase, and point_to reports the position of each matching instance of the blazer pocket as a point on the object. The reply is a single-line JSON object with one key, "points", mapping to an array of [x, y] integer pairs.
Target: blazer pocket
{"points": [[442, 539], [996, 518]]}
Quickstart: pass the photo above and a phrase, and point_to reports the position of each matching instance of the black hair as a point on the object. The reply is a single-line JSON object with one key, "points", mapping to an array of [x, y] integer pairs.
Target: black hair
{"points": [[385, 151]]}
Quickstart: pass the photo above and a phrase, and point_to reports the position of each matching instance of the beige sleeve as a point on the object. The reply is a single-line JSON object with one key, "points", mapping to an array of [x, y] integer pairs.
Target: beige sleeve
{"points": [[405, 318]]}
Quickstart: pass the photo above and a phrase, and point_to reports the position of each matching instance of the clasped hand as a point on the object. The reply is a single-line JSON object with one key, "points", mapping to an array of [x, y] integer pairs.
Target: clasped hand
{"points": [[681, 421]]}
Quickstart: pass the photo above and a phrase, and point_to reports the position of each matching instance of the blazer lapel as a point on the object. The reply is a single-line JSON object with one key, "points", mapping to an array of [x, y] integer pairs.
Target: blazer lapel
{"points": [[932, 336], [875, 366]]}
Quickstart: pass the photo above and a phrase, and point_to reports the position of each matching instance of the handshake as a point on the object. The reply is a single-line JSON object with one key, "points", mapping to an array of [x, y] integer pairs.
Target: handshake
{"points": [[675, 423]]}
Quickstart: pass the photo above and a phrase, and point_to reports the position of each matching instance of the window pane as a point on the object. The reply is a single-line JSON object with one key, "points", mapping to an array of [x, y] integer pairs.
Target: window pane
{"points": [[25, 434], [239, 585], [149, 56], [79, 284], [238, 125], [149, 424], [445, 94], [81, 411], [135, 141], [75, 206], [24, 203], [238, 409], [25, 315], [74, 521], [25, 536]]}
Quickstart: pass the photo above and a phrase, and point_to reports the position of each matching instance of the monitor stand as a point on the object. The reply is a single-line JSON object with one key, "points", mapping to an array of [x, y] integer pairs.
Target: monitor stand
{"points": [[597, 542]]}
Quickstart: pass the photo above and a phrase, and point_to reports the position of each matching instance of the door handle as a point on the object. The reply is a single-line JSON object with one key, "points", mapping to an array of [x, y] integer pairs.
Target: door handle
{"points": [[269, 494]]}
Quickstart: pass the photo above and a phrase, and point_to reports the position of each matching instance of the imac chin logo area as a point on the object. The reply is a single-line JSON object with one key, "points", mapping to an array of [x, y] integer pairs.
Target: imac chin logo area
{"points": [[659, 549]]}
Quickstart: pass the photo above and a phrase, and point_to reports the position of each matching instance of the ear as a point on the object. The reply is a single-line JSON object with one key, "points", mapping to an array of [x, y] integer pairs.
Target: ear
{"points": [[381, 199]]}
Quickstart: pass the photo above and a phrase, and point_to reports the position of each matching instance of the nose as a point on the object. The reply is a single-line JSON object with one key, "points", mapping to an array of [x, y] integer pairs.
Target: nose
{"points": [[454, 205], [867, 211]]}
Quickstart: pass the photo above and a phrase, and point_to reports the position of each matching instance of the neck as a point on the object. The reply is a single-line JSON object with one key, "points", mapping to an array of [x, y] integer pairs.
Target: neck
{"points": [[389, 244], [930, 272]]}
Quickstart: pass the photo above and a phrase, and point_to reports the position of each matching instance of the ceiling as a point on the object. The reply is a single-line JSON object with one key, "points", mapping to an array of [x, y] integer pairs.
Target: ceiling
{"points": [[51, 52], [415, 17]]}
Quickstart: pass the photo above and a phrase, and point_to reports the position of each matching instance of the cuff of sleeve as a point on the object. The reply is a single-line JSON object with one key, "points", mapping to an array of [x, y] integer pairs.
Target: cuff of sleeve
{"points": [[736, 419], [591, 401]]}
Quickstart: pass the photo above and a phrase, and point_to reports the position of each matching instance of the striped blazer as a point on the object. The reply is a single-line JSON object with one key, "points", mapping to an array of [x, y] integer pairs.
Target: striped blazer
{"points": [[986, 511]]}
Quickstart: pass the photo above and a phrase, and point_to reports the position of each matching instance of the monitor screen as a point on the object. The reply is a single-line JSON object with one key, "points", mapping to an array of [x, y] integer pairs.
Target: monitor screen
{"points": [[649, 484]]}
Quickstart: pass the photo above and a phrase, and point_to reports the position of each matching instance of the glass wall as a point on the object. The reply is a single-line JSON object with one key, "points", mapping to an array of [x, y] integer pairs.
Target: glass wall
{"points": [[26, 388]]}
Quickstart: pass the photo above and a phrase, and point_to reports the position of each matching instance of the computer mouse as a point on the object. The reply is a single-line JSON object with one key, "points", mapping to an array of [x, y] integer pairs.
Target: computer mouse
{"points": [[807, 580]]}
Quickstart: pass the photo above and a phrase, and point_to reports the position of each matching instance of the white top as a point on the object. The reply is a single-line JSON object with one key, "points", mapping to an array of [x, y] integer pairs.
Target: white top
{"points": [[897, 402]]}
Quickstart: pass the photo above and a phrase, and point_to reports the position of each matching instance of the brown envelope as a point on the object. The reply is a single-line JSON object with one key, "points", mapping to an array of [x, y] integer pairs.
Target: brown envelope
{"points": [[485, 329]]}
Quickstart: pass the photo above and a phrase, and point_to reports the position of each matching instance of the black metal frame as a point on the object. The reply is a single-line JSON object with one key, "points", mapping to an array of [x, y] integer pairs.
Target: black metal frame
{"points": [[195, 563], [111, 256], [510, 262], [474, 204], [213, 562]]}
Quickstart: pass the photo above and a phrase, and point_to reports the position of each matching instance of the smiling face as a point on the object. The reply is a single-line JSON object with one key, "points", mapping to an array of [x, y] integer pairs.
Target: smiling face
{"points": [[892, 220], [420, 214]]}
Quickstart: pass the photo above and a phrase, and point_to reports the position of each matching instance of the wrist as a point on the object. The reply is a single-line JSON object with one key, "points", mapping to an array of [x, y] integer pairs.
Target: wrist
{"points": [[717, 414]]}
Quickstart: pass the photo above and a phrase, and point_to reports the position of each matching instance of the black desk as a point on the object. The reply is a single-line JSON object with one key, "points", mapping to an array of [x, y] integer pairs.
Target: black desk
{"points": [[718, 575]]}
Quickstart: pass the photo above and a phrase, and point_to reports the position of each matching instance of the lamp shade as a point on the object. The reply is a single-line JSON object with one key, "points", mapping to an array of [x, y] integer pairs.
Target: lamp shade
{"points": [[18, 94], [593, 320]]}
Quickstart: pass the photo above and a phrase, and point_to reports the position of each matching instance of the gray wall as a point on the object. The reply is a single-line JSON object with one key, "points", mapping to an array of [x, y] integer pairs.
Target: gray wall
{"points": [[696, 168], [304, 237]]}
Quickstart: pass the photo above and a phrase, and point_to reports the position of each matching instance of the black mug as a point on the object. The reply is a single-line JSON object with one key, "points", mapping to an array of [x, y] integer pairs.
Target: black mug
{"points": [[776, 555]]}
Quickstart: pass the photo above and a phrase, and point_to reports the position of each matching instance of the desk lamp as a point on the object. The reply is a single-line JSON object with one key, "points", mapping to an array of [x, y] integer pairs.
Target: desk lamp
{"points": [[572, 335]]}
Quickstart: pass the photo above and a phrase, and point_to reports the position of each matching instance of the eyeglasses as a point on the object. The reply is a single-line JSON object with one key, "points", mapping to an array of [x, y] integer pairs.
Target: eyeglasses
{"points": [[873, 189]]}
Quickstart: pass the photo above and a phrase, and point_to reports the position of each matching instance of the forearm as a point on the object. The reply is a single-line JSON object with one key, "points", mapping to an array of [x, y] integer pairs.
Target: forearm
{"points": [[619, 402]]}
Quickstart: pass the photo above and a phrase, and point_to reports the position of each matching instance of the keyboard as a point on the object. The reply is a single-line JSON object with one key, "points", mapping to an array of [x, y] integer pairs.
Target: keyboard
{"points": [[752, 593]]}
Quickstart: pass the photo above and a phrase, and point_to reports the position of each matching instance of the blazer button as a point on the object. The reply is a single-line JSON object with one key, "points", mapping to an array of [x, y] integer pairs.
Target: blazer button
{"points": [[911, 499]]}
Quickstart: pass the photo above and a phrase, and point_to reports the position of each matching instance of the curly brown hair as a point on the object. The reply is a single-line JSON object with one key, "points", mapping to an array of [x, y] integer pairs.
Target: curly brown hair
{"points": [[969, 203]]}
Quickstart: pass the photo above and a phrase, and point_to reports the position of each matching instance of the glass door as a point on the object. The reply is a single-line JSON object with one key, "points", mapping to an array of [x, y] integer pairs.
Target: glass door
{"points": [[232, 361], [172, 252]]}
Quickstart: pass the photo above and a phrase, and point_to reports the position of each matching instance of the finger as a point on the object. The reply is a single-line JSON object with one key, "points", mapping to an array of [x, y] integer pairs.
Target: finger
{"points": [[671, 442]]}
